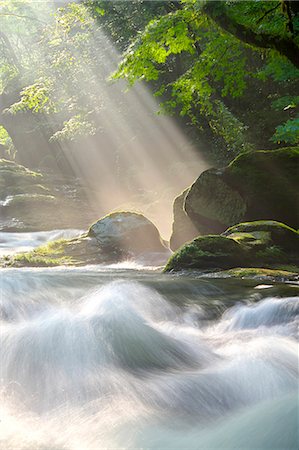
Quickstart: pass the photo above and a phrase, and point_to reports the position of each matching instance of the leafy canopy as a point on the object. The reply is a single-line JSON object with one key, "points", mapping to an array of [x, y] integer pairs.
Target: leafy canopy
{"points": [[216, 43]]}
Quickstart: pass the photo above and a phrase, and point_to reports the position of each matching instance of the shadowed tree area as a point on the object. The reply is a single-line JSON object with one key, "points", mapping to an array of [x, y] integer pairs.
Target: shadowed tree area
{"points": [[226, 71]]}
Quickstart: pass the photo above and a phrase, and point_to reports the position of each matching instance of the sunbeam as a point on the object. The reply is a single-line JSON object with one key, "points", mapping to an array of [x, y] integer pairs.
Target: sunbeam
{"points": [[137, 159]]}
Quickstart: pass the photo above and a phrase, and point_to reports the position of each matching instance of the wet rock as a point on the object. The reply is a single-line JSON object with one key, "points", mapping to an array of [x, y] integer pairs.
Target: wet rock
{"points": [[258, 185], [115, 238], [183, 229], [128, 233], [265, 233], [265, 244], [268, 182], [207, 252], [212, 205]]}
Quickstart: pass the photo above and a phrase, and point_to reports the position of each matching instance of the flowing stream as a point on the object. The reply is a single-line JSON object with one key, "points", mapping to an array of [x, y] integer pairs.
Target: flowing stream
{"points": [[120, 357]]}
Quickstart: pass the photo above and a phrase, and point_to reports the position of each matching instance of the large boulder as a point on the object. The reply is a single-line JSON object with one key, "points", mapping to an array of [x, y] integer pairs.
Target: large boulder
{"points": [[256, 185], [268, 181], [212, 204], [253, 244], [128, 233], [183, 229]]}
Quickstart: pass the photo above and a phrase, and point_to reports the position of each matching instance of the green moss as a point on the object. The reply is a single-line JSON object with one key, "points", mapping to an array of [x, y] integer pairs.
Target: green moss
{"points": [[241, 272], [76, 251], [252, 244], [254, 238], [284, 154], [261, 225], [266, 232], [207, 252], [51, 254]]}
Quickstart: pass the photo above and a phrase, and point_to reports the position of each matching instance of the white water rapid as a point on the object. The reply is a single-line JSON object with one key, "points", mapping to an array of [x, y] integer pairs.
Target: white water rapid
{"points": [[98, 358]]}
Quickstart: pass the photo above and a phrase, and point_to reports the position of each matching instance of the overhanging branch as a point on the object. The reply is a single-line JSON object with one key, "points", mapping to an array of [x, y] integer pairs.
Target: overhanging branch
{"points": [[284, 45]]}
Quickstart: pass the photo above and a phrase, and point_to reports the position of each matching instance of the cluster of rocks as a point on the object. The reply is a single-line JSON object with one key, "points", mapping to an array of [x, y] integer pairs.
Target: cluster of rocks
{"points": [[260, 185], [251, 244], [258, 189], [242, 216]]}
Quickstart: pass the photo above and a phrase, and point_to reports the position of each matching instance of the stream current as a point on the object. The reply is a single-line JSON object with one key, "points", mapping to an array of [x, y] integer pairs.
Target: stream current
{"points": [[123, 357]]}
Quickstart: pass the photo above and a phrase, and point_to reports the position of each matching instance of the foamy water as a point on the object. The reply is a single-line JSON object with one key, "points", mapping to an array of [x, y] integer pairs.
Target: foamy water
{"points": [[95, 358]]}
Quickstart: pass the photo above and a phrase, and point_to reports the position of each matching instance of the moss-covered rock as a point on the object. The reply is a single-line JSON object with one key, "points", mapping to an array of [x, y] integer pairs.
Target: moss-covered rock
{"points": [[255, 186], [183, 229], [112, 239], [255, 244], [268, 181], [51, 254], [264, 234], [77, 251], [207, 252]]}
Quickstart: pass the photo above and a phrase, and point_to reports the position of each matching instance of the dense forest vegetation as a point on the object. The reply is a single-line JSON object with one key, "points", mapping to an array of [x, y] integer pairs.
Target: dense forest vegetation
{"points": [[226, 70]]}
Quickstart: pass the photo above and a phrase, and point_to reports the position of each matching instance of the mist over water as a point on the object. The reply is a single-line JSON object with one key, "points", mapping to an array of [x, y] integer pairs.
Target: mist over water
{"points": [[110, 358], [23, 242]]}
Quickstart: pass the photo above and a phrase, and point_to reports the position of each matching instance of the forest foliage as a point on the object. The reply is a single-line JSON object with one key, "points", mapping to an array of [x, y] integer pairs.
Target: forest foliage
{"points": [[221, 65]]}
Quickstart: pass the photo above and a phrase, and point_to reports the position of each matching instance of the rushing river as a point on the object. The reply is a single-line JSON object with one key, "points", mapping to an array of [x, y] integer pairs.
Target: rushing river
{"points": [[99, 358]]}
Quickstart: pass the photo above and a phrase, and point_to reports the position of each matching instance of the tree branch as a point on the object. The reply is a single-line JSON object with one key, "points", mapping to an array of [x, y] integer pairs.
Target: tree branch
{"points": [[284, 45], [268, 12]]}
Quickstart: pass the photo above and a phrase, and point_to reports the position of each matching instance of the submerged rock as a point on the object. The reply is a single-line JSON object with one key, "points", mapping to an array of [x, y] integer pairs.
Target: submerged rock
{"points": [[254, 186], [252, 244]]}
